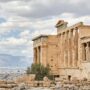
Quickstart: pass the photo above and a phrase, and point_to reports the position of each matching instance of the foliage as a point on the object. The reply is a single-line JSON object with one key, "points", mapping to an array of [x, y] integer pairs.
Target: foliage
{"points": [[40, 71]]}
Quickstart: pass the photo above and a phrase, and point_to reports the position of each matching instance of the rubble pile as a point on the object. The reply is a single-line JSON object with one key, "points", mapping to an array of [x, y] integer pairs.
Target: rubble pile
{"points": [[73, 85]]}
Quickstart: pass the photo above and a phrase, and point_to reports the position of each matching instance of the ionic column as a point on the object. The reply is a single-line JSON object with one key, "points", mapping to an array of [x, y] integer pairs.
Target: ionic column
{"points": [[73, 49], [59, 51], [66, 43], [39, 54], [83, 52], [35, 55], [44, 54], [68, 49], [65, 50], [87, 51], [76, 47], [62, 52]]}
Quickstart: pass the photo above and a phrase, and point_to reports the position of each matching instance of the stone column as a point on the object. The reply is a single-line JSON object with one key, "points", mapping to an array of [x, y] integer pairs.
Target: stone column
{"points": [[84, 51], [44, 54], [66, 44], [68, 48], [62, 52], [59, 51], [76, 47], [65, 49], [87, 51], [37, 55], [73, 49], [41, 54]]}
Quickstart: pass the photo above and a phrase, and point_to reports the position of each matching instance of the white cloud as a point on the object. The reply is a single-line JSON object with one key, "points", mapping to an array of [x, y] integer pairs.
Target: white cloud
{"points": [[35, 17], [25, 34], [23, 44], [44, 8], [13, 42]]}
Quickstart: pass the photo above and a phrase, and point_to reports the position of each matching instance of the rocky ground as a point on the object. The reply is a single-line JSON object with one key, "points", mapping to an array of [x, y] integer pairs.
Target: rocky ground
{"points": [[18, 88], [66, 87], [73, 85], [38, 88]]}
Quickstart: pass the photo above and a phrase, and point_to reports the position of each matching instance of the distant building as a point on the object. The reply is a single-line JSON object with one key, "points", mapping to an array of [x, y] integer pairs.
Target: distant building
{"points": [[67, 53]]}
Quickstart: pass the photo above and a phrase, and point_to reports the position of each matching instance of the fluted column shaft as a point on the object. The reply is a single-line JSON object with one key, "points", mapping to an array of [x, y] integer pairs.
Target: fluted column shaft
{"points": [[68, 49], [35, 55], [62, 50], [83, 52], [76, 47], [87, 51], [65, 50], [38, 61]]}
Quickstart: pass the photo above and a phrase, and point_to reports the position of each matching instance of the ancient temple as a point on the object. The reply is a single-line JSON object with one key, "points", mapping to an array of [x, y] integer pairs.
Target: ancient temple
{"points": [[67, 53]]}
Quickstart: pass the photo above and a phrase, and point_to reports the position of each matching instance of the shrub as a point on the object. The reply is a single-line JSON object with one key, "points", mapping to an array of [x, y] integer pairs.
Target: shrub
{"points": [[40, 71]]}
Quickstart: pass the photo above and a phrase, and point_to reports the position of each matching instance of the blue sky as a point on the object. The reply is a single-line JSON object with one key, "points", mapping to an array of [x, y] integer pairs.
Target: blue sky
{"points": [[21, 20]]}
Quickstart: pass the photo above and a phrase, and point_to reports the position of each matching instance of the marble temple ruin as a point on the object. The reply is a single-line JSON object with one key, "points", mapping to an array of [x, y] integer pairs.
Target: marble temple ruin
{"points": [[67, 53]]}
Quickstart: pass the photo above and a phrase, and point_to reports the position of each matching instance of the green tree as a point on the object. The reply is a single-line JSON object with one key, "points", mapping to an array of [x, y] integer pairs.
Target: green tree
{"points": [[40, 71]]}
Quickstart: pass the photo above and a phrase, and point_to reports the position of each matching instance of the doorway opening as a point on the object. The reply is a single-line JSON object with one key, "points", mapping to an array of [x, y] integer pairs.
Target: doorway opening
{"points": [[69, 77]]}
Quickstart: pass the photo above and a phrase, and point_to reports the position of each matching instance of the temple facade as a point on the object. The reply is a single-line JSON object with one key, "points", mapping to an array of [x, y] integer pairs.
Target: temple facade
{"points": [[67, 53]]}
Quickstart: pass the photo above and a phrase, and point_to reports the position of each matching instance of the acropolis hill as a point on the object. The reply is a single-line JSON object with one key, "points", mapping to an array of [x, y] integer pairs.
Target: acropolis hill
{"points": [[67, 53]]}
